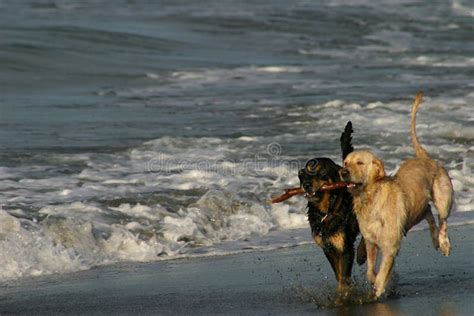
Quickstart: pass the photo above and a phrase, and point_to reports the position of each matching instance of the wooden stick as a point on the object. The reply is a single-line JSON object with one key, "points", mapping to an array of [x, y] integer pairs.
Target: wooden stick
{"points": [[299, 191], [334, 186], [288, 193]]}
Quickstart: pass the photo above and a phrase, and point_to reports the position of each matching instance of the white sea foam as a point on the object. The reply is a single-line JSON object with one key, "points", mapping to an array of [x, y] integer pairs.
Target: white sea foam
{"points": [[6, 173], [138, 210], [285, 219], [277, 69], [436, 61], [201, 78], [248, 138], [77, 235], [462, 9], [152, 75]]}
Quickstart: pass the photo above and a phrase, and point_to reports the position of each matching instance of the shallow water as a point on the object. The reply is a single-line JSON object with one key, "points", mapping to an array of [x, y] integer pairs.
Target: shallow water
{"points": [[146, 131], [294, 280]]}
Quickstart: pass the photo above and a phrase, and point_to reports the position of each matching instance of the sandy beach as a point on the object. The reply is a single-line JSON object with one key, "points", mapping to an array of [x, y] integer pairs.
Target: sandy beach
{"points": [[294, 280]]}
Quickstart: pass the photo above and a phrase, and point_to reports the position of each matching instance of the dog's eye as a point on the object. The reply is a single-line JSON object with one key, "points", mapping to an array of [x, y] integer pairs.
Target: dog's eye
{"points": [[360, 163]]}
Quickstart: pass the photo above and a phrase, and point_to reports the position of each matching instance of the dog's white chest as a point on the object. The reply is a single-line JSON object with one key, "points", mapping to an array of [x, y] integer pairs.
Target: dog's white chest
{"points": [[371, 226], [372, 230]]}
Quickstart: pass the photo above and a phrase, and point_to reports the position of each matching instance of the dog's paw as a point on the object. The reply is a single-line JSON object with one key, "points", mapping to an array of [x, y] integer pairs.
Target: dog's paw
{"points": [[343, 289], [378, 292], [371, 277], [444, 245]]}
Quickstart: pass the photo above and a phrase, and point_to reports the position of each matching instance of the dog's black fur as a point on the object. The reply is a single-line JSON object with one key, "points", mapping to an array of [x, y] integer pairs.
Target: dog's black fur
{"points": [[333, 223]]}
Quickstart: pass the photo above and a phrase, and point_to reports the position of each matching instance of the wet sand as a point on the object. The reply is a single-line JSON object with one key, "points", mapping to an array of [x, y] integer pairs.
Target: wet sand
{"points": [[285, 281]]}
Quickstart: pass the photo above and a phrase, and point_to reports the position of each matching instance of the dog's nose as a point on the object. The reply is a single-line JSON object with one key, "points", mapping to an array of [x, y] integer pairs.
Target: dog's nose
{"points": [[344, 173], [307, 187]]}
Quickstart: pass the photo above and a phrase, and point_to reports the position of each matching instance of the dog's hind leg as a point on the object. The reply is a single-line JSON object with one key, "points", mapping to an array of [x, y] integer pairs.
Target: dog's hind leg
{"points": [[443, 199], [361, 252], [433, 229]]}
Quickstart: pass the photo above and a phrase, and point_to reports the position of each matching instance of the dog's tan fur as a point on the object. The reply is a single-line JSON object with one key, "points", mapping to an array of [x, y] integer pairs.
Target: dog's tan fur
{"points": [[387, 207]]}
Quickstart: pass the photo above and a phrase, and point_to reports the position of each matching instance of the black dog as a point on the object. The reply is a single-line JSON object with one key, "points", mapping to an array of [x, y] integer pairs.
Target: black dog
{"points": [[333, 223]]}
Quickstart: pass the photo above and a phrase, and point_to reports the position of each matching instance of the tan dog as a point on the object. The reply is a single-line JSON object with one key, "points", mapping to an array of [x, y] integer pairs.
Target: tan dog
{"points": [[387, 207]]}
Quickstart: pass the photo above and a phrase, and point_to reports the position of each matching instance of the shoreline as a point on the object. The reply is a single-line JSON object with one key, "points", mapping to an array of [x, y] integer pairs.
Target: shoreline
{"points": [[274, 240], [287, 280]]}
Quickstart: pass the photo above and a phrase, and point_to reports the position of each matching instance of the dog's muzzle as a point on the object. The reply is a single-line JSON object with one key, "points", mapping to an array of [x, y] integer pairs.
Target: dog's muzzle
{"points": [[353, 187], [307, 187]]}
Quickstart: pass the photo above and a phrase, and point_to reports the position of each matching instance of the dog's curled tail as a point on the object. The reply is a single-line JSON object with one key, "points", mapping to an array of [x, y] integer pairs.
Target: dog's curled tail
{"points": [[419, 151], [346, 140]]}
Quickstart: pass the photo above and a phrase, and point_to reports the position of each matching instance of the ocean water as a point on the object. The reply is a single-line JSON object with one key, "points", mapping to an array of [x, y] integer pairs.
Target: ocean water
{"points": [[150, 130]]}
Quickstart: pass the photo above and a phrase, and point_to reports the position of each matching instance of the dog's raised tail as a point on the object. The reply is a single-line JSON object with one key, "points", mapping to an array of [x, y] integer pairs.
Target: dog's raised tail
{"points": [[419, 151], [346, 140]]}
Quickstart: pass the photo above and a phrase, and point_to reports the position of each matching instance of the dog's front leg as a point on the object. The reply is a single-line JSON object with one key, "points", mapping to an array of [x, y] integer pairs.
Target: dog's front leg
{"points": [[372, 251], [346, 261], [383, 275], [341, 263]]}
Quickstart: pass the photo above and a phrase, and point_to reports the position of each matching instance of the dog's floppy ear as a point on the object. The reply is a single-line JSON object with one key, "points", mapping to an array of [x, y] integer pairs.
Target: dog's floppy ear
{"points": [[379, 170], [346, 140]]}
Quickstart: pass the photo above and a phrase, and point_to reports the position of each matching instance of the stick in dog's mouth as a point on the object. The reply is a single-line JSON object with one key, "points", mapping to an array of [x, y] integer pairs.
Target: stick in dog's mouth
{"points": [[288, 194], [354, 188], [335, 186], [300, 191]]}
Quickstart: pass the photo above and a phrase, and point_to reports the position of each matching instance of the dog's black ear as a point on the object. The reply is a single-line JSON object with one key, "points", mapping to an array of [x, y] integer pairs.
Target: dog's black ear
{"points": [[346, 140]]}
